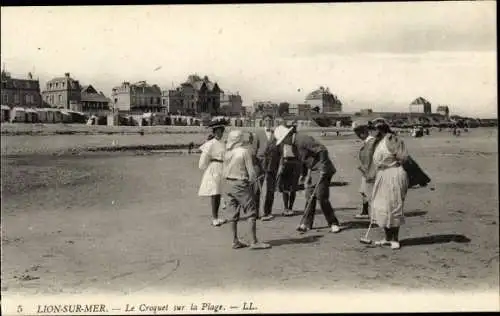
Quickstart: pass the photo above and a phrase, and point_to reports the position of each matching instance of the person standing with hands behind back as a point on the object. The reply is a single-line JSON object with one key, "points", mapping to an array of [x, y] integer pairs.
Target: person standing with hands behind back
{"points": [[268, 158]]}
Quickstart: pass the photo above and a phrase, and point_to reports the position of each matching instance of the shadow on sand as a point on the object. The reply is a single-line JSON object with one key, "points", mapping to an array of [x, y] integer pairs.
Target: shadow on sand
{"points": [[332, 184], [415, 213], [435, 239], [294, 241]]}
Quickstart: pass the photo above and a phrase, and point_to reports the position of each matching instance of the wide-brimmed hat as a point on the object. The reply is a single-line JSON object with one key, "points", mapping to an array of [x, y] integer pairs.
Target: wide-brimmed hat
{"points": [[233, 138], [218, 122], [359, 124], [281, 132]]}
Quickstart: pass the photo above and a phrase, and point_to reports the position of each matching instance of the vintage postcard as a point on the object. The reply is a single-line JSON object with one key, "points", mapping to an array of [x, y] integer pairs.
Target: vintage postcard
{"points": [[249, 158]]}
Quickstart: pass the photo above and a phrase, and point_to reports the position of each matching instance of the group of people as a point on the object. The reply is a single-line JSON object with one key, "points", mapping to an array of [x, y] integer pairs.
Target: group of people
{"points": [[247, 165]]}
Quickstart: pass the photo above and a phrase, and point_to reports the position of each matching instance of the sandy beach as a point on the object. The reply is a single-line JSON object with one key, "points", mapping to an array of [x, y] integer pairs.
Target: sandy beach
{"points": [[133, 223]]}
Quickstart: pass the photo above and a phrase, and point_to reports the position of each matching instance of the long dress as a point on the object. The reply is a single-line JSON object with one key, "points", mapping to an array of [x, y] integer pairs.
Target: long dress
{"points": [[211, 160], [391, 182], [365, 157]]}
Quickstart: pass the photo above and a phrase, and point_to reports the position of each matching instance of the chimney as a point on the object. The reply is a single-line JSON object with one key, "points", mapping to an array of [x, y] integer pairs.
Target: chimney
{"points": [[66, 75]]}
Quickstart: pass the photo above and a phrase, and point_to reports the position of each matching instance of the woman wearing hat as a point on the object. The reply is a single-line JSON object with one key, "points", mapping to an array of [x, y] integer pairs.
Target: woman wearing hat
{"points": [[240, 177], [211, 160], [362, 130], [391, 184]]}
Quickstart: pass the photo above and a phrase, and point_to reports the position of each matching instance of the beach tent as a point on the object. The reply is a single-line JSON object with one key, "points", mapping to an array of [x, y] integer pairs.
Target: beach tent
{"points": [[42, 115], [66, 117], [31, 116], [5, 113], [18, 115], [77, 117], [57, 115]]}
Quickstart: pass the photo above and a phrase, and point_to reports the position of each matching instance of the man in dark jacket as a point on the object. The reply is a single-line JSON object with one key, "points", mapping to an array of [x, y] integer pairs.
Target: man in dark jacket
{"points": [[320, 172], [268, 158]]}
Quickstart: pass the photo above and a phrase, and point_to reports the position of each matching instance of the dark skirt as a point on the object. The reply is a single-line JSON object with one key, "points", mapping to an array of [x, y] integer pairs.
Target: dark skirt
{"points": [[289, 178]]}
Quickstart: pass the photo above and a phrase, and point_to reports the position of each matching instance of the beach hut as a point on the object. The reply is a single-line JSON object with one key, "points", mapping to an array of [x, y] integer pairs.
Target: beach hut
{"points": [[5, 113], [18, 115]]}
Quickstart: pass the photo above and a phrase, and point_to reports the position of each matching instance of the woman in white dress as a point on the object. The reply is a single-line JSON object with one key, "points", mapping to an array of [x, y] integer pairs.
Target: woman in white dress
{"points": [[391, 185], [211, 160]]}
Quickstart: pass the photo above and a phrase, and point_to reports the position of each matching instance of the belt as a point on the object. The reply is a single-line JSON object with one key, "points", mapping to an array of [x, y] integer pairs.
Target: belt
{"points": [[290, 159], [388, 167], [216, 160], [235, 179]]}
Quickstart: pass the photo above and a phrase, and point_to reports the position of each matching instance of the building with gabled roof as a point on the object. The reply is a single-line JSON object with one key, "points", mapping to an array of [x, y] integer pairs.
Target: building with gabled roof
{"points": [[93, 101], [195, 96]]}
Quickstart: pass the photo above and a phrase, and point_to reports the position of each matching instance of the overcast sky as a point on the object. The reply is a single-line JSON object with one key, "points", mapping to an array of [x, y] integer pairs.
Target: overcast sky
{"points": [[372, 55]]}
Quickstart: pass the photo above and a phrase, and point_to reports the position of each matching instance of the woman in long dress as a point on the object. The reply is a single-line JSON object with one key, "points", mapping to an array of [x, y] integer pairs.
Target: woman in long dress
{"points": [[391, 185], [211, 160]]}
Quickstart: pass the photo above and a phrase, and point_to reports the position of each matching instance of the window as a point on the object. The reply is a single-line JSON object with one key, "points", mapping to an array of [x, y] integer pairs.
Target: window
{"points": [[59, 98], [5, 98], [16, 98], [57, 85], [164, 101], [152, 101]]}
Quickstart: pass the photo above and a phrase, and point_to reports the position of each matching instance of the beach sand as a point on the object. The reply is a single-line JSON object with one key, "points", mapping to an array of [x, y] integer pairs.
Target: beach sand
{"points": [[133, 223]]}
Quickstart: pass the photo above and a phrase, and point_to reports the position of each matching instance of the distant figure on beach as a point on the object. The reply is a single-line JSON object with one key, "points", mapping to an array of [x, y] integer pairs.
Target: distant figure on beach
{"points": [[267, 157], [320, 170], [239, 176], [211, 160], [362, 130], [190, 148]]}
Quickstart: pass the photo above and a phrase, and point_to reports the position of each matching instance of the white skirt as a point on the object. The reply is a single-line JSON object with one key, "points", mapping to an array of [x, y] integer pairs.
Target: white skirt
{"points": [[211, 182], [388, 196]]}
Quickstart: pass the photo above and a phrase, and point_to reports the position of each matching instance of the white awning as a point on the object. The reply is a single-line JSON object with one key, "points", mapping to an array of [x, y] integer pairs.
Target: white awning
{"points": [[5, 107]]}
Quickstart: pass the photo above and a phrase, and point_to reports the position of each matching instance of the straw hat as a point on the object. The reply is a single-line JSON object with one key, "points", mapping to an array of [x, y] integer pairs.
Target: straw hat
{"points": [[281, 132], [360, 124], [233, 138], [217, 122]]}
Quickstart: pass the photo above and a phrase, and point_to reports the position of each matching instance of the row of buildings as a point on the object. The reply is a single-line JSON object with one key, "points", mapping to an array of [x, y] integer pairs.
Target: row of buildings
{"points": [[195, 96]]}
